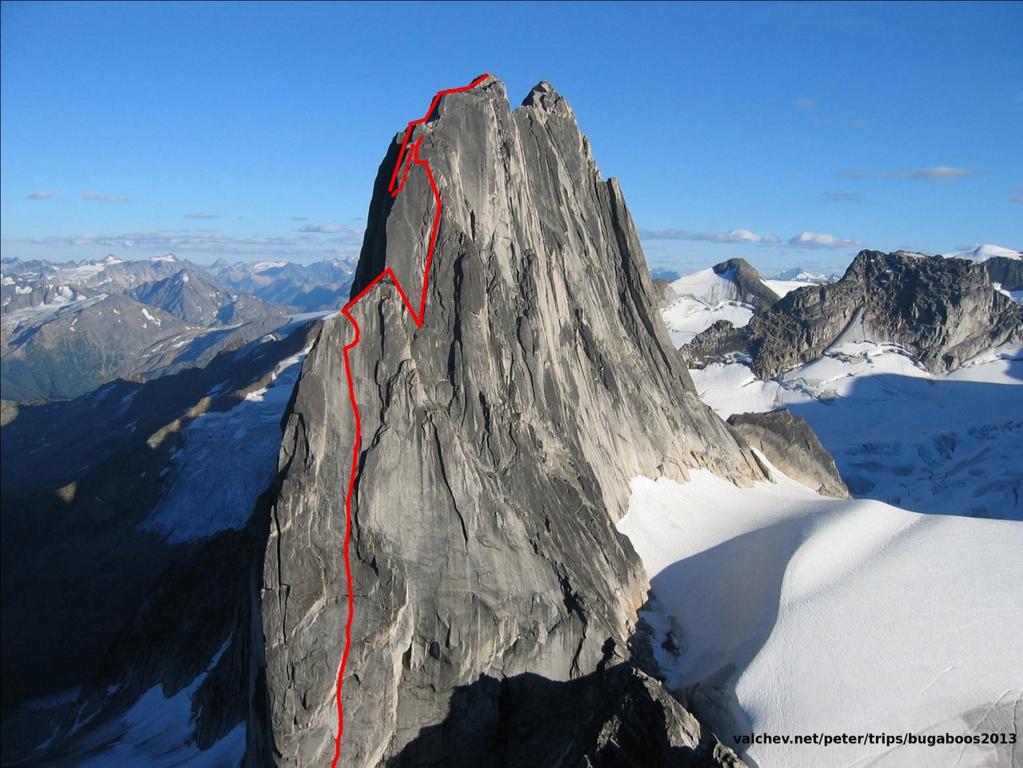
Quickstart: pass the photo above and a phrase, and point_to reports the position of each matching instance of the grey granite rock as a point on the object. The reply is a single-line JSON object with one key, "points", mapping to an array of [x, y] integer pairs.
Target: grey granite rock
{"points": [[662, 292], [498, 440], [749, 286], [1008, 273], [942, 311], [791, 445], [748, 280], [721, 342], [611, 718]]}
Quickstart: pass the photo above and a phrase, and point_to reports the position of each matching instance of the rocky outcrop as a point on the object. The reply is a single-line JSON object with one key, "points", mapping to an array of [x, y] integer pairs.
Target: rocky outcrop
{"points": [[1008, 273], [792, 446], [721, 342], [662, 292], [497, 442], [8, 412], [607, 719], [749, 283], [732, 281], [942, 311]]}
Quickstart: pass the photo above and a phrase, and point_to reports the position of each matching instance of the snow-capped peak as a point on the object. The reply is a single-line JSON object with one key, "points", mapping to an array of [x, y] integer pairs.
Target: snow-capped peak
{"points": [[800, 274], [708, 286], [701, 299], [984, 252], [166, 257]]}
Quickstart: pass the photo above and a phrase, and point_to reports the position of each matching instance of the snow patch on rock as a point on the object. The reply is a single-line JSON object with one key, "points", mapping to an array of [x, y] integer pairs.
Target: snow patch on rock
{"points": [[159, 731], [700, 300], [941, 443], [984, 252], [226, 460]]}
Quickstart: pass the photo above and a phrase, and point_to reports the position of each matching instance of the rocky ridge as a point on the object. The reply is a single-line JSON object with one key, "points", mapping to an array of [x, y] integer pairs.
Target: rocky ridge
{"points": [[195, 300], [498, 442], [68, 329], [942, 311]]}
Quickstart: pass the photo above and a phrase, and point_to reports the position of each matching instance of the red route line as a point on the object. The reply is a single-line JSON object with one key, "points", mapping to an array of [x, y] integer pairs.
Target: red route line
{"points": [[407, 157]]}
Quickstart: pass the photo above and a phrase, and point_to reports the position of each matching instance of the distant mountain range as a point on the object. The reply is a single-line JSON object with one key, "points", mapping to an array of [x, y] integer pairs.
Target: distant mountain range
{"points": [[300, 287], [69, 328], [804, 275]]}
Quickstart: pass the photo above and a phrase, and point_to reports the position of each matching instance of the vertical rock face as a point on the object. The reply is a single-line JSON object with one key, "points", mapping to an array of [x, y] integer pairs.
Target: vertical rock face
{"points": [[497, 440], [792, 446], [1008, 273]]}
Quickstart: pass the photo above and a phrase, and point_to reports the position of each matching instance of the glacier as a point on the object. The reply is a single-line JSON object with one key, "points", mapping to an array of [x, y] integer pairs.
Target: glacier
{"points": [[777, 610]]}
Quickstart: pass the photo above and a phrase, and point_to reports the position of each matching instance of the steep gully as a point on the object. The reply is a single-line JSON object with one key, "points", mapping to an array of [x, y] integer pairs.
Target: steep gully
{"points": [[408, 157]]}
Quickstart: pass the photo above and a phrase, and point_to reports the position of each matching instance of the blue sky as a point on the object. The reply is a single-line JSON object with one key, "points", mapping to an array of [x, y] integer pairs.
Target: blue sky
{"points": [[783, 133]]}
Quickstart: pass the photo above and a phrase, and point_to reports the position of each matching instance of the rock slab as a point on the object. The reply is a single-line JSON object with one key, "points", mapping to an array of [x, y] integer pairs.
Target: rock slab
{"points": [[498, 440], [792, 446]]}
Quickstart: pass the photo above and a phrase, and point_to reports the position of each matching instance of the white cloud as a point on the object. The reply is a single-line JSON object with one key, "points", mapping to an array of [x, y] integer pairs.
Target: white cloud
{"points": [[329, 229], [942, 173], [99, 197], [211, 242], [931, 173], [820, 240], [202, 216], [731, 236], [42, 195]]}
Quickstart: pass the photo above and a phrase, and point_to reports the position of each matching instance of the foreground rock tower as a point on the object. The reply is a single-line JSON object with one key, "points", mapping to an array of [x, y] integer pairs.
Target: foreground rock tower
{"points": [[498, 441]]}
